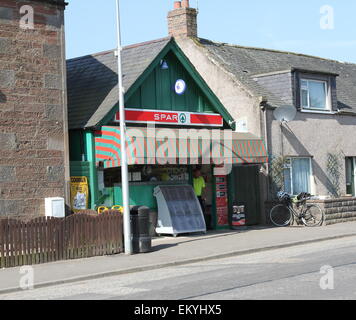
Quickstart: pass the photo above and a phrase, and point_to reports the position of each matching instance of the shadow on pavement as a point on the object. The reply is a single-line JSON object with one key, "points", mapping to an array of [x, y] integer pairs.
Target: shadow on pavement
{"points": [[209, 235]]}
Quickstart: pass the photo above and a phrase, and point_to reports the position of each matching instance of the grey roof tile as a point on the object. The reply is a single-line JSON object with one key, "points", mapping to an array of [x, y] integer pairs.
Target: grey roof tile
{"points": [[244, 62], [92, 80]]}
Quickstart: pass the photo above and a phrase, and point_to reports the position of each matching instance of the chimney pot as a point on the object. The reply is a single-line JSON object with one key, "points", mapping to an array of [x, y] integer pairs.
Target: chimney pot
{"points": [[177, 5], [182, 20], [185, 4]]}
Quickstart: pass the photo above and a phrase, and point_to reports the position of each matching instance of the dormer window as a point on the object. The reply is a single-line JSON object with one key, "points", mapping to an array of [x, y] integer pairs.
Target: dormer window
{"points": [[315, 91], [314, 95]]}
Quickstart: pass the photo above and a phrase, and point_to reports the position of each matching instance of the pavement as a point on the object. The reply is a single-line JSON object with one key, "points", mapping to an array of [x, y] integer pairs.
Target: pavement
{"points": [[318, 271], [169, 252]]}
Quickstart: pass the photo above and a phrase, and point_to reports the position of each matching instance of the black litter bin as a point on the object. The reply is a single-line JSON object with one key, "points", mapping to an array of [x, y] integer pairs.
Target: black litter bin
{"points": [[153, 216], [141, 239]]}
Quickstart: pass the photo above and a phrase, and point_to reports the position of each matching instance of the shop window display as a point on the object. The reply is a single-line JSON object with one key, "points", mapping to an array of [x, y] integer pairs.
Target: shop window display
{"points": [[148, 174]]}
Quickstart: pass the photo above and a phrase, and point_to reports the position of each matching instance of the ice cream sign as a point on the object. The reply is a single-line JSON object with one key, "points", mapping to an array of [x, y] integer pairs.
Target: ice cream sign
{"points": [[172, 118]]}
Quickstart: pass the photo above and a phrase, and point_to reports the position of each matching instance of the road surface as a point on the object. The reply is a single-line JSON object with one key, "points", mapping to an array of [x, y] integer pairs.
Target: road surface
{"points": [[290, 273]]}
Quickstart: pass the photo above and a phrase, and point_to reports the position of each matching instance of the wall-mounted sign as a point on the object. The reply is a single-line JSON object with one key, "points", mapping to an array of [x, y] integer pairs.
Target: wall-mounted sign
{"points": [[180, 86], [241, 125], [172, 118], [222, 209], [79, 193]]}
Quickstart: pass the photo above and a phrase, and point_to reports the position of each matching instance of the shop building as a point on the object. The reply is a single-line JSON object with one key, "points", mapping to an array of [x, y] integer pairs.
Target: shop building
{"points": [[244, 86], [173, 121]]}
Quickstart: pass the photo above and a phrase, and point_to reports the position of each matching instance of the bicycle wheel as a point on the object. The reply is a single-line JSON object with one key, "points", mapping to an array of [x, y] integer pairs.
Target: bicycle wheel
{"points": [[280, 216], [313, 216]]}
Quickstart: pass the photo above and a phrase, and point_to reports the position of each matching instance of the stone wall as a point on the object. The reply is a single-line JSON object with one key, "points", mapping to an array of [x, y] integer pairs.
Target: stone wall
{"points": [[33, 112], [336, 210]]}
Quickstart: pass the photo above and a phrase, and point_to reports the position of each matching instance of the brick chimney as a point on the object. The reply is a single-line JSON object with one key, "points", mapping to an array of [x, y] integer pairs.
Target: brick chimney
{"points": [[182, 20]]}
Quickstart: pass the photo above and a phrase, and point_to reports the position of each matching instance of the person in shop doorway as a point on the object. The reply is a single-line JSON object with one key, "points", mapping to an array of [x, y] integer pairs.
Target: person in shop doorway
{"points": [[199, 187]]}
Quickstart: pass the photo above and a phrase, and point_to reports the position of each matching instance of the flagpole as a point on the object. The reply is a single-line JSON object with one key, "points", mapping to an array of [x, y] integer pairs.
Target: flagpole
{"points": [[124, 167]]}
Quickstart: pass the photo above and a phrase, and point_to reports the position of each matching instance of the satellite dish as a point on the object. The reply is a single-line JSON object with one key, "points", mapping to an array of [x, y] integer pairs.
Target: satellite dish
{"points": [[285, 113]]}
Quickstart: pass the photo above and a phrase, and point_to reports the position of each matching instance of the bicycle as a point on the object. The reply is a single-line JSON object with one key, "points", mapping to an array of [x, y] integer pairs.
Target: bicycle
{"points": [[283, 214]]}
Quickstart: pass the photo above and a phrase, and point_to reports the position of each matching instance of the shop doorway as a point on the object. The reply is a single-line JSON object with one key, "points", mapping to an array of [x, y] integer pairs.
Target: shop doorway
{"points": [[247, 191], [208, 203]]}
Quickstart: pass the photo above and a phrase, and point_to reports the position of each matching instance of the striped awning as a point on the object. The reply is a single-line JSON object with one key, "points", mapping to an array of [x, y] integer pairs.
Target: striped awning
{"points": [[178, 146]]}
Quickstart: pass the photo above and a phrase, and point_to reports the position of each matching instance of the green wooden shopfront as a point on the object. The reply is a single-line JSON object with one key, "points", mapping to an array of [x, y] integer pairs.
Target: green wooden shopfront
{"points": [[151, 73]]}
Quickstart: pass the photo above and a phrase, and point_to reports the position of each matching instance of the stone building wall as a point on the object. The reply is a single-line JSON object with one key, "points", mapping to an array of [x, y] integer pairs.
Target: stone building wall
{"points": [[33, 111]]}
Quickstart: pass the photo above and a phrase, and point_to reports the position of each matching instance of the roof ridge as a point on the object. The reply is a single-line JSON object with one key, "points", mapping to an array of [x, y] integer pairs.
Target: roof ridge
{"points": [[91, 55], [240, 81], [276, 51], [135, 45], [146, 43]]}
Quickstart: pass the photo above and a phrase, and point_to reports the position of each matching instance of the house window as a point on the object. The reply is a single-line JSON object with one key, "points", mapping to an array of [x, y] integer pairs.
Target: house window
{"points": [[314, 95], [297, 175]]}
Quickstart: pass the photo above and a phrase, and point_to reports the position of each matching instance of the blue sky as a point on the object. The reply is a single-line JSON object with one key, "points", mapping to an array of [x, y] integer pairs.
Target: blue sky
{"points": [[276, 24]]}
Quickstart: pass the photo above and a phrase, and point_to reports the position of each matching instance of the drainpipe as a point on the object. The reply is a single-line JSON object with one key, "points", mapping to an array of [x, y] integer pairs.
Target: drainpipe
{"points": [[263, 102]]}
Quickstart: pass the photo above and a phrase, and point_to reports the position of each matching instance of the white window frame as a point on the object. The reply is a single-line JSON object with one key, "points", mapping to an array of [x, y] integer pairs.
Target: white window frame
{"points": [[328, 108], [290, 167]]}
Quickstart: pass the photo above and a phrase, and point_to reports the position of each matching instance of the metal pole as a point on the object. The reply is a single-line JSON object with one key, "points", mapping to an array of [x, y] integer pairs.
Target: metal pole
{"points": [[124, 168]]}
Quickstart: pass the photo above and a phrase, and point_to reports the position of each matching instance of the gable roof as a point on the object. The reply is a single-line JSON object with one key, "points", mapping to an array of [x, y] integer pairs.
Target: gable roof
{"points": [[92, 80], [246, 62]]}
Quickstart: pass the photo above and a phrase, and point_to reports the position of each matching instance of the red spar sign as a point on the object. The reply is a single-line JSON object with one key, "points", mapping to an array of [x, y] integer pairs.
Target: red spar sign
{"points": [[172, 118]]}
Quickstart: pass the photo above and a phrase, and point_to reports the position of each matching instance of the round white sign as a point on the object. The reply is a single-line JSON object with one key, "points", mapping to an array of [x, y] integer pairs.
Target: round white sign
{"points": [[180, 86]]}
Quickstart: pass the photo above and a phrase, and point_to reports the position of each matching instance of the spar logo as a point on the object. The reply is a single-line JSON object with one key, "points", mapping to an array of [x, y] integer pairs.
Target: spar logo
{"points": [[182, 118]]}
